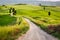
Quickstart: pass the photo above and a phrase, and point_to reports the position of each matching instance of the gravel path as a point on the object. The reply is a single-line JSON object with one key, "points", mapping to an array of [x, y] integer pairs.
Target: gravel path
{"points": [[35, 33]]}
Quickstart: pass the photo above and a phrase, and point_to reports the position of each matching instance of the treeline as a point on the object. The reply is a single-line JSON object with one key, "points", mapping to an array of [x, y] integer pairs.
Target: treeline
{"points": [[46, 5], [20, 4]]}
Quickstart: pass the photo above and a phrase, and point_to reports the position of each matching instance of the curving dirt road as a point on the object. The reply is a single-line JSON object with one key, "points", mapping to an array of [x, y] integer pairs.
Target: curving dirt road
{"points": [[35, 33]]}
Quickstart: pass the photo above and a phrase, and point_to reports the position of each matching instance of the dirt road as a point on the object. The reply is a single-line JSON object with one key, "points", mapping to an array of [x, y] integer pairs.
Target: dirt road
{"points": [[35, 33]]}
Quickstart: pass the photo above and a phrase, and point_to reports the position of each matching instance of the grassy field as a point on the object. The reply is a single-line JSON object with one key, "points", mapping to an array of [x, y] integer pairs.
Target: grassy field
{"points": [[7, 20], [50, 24], [13, 32], [11, 27]]}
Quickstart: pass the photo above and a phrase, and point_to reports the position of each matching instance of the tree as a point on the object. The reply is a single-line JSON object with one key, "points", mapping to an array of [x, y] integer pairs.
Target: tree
{"points": [[39, 4], [10, 10], [49, 13], [13, 9], [14, 13], [44, 7]]}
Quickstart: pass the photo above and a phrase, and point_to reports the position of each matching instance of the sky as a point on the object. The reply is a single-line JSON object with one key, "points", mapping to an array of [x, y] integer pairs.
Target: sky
{"points": [[48, 0], [29, 0], [23, 1], [51, 0]]}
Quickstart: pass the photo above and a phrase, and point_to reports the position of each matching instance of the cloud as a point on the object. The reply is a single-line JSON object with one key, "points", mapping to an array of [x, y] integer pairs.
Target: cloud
{"points": [[48, 0], [52, 0]]}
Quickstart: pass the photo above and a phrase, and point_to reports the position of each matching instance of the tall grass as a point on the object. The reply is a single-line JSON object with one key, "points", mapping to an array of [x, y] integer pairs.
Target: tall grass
{"points": [[14, 31]]}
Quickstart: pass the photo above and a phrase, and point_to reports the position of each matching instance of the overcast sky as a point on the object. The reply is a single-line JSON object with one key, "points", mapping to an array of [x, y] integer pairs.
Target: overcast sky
{"points": [[22, 1], [35, 0], [48, 0], [52, 0]]}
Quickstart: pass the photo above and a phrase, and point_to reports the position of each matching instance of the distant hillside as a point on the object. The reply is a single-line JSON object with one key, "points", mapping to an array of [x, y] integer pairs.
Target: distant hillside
{"points": [[52, 3], [33, 2], [58, 3], [48, 3]]}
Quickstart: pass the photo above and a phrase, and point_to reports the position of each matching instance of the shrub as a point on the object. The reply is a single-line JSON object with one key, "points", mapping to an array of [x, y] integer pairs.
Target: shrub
{"points": [[57, 28], [54, 28]]}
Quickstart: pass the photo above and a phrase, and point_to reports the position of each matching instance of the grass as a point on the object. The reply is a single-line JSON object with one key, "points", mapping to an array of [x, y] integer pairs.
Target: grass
{"points": [[7, 20], [13, 32], [4, 10], [11, 27], [38, 15]]}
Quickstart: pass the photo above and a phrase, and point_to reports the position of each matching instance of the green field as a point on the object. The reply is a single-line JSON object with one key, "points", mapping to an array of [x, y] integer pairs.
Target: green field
{"points": [[7, 20], [37, 15], [11, 27]]}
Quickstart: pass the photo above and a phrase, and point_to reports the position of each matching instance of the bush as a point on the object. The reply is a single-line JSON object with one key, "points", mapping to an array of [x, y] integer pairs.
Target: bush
{"points": [[57, 28], [54, 30]]}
